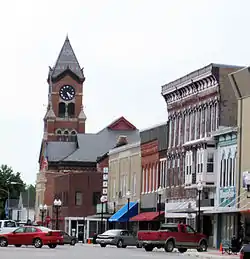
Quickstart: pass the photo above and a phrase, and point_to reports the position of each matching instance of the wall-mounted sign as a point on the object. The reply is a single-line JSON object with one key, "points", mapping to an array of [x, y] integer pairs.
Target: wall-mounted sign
{"points": [[227, 197]]}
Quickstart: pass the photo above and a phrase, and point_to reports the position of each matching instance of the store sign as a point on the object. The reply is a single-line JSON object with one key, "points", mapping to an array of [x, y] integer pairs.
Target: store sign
{"points": [[227, 197]]}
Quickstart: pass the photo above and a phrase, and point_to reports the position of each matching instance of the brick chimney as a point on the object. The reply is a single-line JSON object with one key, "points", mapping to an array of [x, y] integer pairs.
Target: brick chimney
{"points": [[122, 140]]}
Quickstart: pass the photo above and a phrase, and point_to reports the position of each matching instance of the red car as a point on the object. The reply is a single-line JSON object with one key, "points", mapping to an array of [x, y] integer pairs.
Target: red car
{"points": [[31, 235]]}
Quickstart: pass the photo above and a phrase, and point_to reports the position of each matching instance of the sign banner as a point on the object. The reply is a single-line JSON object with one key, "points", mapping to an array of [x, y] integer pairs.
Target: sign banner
{"points": [[227, 197]]}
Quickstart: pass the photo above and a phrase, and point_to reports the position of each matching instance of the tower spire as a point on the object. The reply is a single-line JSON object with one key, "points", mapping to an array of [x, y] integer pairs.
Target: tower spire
{"points": [[67, 61]]}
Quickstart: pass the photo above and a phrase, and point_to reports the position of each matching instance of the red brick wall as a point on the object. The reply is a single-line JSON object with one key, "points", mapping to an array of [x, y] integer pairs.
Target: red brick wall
{"points": [[87, 182], [149, 158]]}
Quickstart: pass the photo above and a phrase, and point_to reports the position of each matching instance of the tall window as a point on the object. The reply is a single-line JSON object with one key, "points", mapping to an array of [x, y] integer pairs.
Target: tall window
{"points": [[205, 121], [190, 125], [170, 133], [178, 182], [124, 186], [71, 109], [173, 174], [146, 176], [195, 123], [185, 128], [216, 116], [179, 130], [61, 109], [210, 162], [221, 171], [153, 176], [167, 173], [78, 198], [174, 131], [134, 184], [143, 180]]}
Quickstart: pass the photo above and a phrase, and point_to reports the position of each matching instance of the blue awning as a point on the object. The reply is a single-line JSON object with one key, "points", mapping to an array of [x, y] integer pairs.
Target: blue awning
{"points": [[123, 214]]}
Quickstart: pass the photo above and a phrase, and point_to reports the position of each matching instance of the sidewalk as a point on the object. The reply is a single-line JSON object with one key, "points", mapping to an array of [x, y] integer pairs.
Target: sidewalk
{"points": [[210, 254]]}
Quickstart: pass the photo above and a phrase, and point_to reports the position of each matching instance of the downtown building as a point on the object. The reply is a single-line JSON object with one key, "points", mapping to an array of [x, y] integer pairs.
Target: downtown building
{"points": [[198, 104]]}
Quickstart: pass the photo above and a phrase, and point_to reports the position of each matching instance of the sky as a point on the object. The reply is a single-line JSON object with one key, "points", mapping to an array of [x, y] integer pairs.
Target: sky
{"points": [[128, 49]]}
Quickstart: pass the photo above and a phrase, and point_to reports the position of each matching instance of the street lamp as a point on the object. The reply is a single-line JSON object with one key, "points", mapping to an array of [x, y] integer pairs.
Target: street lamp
{"points": [[128, 195], [199, 189], [43, 210], [103, 200], [57, 206], [160, 192]]}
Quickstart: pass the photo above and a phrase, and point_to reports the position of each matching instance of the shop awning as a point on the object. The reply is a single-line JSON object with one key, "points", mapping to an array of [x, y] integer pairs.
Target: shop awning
{"points": [[147, 216], [122, 214]]}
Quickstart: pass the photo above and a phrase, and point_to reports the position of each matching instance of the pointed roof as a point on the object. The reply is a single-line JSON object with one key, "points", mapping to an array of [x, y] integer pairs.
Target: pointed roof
{"points": [[67, 61]]}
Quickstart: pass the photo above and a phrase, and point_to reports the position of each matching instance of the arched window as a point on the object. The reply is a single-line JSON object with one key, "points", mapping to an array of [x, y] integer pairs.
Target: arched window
{"points": [[58, 132], [66, 132], [71, 109], [61, 109], [73, 132]]}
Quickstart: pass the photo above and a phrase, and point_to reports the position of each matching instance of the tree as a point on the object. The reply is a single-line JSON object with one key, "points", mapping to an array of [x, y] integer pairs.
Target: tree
{"points": [[7, 180]]}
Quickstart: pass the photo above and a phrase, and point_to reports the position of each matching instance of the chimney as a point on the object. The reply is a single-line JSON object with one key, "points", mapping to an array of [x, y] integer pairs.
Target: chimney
{"points": [[122, 140]]}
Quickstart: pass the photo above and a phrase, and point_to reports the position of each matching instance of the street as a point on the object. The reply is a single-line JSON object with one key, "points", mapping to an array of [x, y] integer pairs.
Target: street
{"points": [[83, 251]]}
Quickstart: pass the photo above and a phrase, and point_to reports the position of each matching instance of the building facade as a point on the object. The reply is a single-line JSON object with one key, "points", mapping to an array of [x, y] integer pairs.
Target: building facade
{"points": [[197, 104], [225, 211], [240, 81], [124, 174], [154, 142]]}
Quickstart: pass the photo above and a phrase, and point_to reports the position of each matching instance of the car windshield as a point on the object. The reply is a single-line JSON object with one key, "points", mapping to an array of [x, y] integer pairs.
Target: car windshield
{"points": [[111, 232], [44, 229], [10, 224]]}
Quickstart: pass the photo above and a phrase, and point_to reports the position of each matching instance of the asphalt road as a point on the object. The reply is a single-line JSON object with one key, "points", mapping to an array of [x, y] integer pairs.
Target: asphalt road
{"points": [[81, 251]]}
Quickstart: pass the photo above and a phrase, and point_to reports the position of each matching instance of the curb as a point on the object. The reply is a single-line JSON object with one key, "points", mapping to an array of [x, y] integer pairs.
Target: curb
{"points": [[207, 256]]}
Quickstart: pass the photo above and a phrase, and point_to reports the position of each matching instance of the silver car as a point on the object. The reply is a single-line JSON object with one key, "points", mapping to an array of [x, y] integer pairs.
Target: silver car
{"points": [[117, 237]]}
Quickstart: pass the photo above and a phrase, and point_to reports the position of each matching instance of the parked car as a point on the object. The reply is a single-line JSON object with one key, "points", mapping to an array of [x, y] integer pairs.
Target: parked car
{"points": [[171, 236], [30, 235], [117, 237], [7, 226], [69, 240]]}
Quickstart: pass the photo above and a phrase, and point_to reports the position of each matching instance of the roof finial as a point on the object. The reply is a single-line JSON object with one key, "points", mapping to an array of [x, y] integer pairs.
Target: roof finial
{"points": [[67, 37]]}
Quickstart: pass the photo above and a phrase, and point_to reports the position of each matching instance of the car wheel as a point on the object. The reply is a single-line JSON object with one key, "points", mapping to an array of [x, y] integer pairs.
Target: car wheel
{"points": [[3, 242], [138, 245], [52, 245], [148, 248], [202, 246], [169, 246], [119, 244], [38, 243], [18, 245], [103, 245], [182, 250], [72, 242]]}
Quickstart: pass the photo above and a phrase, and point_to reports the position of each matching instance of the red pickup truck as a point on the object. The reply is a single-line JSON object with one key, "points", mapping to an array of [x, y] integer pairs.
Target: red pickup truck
{"points": [[171, 236]]}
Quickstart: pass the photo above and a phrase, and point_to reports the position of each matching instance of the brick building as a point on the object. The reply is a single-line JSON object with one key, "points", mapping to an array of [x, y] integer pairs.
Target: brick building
{"points": [[197, 104], [154, 143], [68, 156]]}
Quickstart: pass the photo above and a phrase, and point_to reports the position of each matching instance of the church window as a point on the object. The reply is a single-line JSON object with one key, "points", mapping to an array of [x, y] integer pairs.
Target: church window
{"points": [[62, 109], [71, 109], [58, 132]]}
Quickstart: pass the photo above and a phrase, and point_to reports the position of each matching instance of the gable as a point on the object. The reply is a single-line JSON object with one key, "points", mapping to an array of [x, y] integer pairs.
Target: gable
{"points": [[121, 124]]}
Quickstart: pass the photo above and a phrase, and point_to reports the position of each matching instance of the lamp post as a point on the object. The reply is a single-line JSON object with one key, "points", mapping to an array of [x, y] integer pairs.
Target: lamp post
{"points": [[43, 210], [128, 194], [103, 200], [57, 205], [160, 192], [199, 189]]}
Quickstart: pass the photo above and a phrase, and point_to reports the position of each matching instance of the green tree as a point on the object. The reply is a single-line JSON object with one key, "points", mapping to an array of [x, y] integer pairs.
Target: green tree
{"points": [[9, 182]]}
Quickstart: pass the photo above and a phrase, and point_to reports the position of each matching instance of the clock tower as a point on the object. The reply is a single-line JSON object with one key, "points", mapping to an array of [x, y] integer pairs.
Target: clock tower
{"points": [[65, 115]]}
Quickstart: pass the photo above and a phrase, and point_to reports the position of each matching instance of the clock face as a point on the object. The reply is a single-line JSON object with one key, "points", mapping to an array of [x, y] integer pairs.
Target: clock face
{"points": [[67, 92]]}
